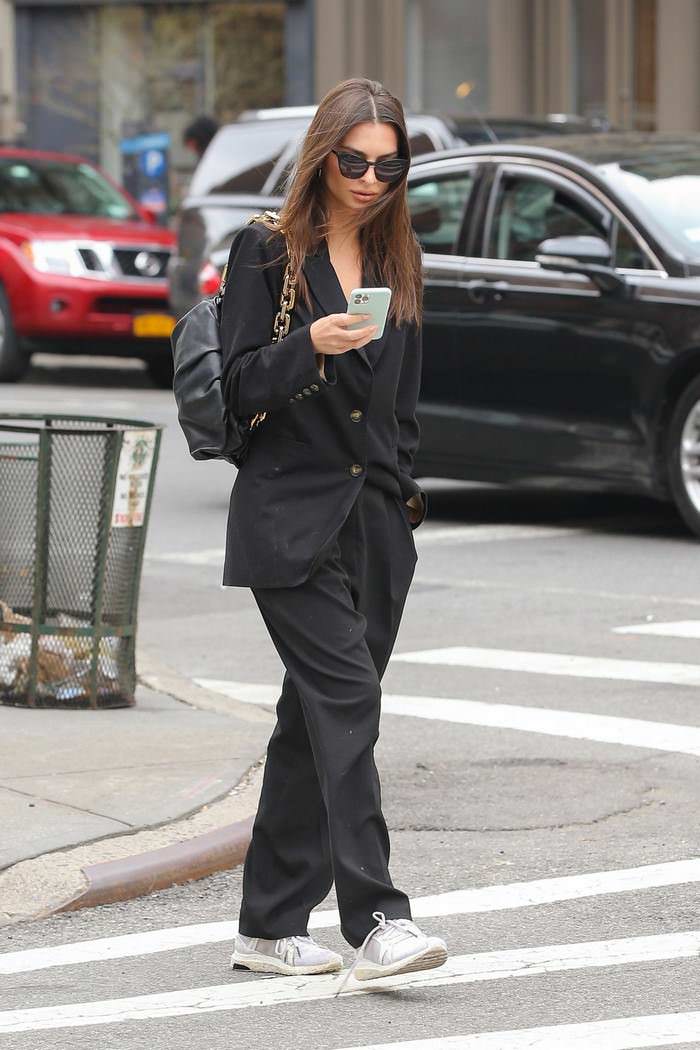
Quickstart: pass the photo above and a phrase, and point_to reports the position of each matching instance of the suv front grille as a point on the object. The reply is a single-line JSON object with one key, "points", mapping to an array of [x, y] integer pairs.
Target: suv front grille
{"points": [[142, 262]]}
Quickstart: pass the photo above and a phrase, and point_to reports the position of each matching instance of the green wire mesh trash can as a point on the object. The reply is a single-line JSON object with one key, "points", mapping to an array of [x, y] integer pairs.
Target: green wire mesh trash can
{"points": [[75, 497]]}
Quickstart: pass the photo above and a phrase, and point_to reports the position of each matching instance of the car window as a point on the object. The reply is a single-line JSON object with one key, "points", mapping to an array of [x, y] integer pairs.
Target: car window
{"points": [[437, 207], [529, 211], [628, 254], [241, 157], [38, 186], [421, 142]]}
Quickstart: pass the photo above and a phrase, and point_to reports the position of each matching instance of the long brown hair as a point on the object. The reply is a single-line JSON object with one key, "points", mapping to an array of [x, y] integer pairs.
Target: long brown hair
{"points": [[390, 251]]}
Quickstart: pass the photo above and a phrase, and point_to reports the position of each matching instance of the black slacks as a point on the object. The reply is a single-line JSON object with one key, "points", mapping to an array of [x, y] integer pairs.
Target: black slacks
{"points": [[320, 819]]}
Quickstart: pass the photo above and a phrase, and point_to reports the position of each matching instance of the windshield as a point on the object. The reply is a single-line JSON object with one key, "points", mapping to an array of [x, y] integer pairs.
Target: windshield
{"points": [[241, 157], [56, 187], [668, 190]]}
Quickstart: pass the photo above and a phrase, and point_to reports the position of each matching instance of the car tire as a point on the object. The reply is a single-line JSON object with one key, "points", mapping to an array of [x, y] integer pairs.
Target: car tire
{"points": [[160, 369], [683, 455], [13, 362]]}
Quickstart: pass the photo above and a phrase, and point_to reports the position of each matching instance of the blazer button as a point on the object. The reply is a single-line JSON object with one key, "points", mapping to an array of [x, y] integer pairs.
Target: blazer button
{"points": [[356, 470], [356, 415], [299, 397], [315, 387], [306, 392]]}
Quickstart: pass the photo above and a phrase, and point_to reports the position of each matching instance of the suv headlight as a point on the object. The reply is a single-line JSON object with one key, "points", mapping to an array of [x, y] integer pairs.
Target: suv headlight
{"points": [[55, 257]]}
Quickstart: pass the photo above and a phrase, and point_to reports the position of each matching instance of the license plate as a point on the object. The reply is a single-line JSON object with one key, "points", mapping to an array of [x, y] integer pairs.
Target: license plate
{"points": [[153, 326]]}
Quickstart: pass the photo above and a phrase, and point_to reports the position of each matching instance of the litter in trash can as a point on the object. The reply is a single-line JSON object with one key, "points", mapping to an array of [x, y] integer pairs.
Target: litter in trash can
{"points": [[63, 662]]}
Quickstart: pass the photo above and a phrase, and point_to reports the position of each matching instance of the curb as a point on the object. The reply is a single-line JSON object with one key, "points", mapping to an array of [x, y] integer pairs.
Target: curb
{"points": [[144, 873], [163, 679], [195, 857]]}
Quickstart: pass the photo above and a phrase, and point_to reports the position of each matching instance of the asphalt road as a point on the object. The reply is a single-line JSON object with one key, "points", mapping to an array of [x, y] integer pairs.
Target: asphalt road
{"points": [[540, 779]]}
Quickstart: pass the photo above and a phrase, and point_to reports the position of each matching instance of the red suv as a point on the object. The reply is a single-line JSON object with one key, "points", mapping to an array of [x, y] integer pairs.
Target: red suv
{"points": [[82, 265]]}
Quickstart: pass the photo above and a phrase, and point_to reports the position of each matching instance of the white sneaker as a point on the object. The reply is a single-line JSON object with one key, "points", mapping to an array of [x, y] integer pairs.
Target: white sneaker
{"points": [[395, 946], [287, 955]]}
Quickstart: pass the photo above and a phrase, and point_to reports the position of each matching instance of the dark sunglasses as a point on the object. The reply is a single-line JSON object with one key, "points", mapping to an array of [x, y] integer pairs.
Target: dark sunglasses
{"points": [[353, 167]]}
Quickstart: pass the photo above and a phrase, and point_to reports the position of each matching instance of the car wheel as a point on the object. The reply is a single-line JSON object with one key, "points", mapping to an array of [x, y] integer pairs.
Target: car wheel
{"points": [[13, 363], [683, 455], [160, 369]]}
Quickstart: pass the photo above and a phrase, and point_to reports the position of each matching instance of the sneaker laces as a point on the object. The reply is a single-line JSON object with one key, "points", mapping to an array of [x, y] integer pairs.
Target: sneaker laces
{"points": [[286, 948], [389, 930]]}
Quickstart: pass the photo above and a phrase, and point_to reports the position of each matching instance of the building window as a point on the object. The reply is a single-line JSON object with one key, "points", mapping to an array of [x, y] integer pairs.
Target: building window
{"points": [[447, 46], [589, 58], [644, 65]]}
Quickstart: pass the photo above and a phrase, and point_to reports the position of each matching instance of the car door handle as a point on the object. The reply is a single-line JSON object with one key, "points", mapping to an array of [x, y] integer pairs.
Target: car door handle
{"points": [[480, 291]]}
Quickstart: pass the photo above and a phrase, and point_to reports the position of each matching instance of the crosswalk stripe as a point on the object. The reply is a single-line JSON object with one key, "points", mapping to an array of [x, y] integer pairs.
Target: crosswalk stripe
{"points": [[478, 900], [619, 1033], [564, 664], [577, 725], [209, 556], [462, 969], [679, 629]]}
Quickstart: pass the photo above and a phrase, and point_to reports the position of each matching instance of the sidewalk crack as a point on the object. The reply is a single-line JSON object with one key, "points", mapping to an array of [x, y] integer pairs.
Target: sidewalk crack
{"points": [[67, 805], [643, 804]]}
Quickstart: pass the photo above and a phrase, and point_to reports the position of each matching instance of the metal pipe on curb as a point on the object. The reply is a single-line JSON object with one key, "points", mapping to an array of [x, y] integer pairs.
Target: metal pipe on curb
{"points": [[129, 877]]}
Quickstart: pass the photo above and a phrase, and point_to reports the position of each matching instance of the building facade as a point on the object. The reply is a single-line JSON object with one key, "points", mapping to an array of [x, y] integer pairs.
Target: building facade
{"points": [[86, 77], [8, 88], [633, 62], [83, 76]]}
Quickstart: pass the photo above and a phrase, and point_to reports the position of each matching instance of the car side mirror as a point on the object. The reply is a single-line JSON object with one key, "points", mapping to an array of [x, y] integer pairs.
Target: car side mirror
{"points": [[589, 256]]}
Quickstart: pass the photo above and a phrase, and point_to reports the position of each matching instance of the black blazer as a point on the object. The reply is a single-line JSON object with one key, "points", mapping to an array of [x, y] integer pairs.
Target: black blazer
{"points": [[322, 439]]}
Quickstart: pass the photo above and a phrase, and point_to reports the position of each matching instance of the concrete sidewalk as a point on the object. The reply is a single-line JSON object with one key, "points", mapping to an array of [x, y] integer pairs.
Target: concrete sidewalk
{"points": [[78, 788]]}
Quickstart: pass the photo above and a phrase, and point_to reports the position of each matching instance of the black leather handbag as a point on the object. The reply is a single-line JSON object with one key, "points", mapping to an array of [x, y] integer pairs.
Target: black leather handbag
{"points": [[210, 427]]}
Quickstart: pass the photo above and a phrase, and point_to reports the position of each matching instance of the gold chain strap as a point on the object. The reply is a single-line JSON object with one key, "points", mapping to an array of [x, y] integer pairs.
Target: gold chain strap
{"points": [[283, 318]]}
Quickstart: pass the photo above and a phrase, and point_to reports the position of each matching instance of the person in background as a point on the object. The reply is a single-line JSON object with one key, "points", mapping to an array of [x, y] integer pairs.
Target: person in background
{"points": [[197, 135]]}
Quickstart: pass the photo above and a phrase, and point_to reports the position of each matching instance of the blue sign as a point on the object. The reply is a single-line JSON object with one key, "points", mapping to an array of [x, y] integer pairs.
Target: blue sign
{"points": [[140, 143], [145, 161], [152, 162]]}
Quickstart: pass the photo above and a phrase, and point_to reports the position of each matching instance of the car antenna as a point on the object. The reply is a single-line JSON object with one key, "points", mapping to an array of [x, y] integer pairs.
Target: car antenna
{"points": [[464, 91]]}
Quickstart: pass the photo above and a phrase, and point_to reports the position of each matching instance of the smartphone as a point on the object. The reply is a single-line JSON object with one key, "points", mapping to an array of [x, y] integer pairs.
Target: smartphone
{"points": [[372, 301]]}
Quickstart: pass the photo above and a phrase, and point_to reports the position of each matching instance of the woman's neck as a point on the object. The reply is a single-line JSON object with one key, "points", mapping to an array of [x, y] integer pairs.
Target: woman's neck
{"points": [[342, 231]]}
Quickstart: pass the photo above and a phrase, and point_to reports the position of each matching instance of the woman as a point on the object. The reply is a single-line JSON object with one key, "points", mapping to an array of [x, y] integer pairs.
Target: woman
{"points": [[320, 528]]}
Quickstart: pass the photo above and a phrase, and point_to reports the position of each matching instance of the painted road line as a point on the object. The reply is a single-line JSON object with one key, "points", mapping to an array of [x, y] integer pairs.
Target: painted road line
{"points": [[561, 664], [679, 629], [478, 900], [574, 725], [461, 969], [210, 556], [619, 1033], [471, 583]]}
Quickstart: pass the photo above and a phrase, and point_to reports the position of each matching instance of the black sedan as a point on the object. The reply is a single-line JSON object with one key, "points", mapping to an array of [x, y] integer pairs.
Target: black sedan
{"points": [[562, 314]]}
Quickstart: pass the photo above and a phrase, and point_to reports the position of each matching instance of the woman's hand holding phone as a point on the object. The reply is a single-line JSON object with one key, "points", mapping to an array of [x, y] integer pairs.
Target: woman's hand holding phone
{"points": [[329, 334]]}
